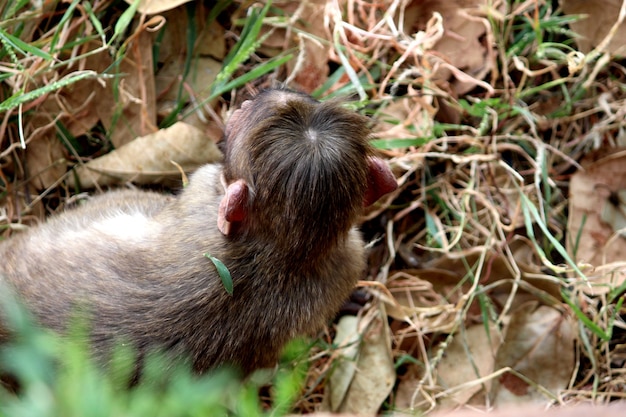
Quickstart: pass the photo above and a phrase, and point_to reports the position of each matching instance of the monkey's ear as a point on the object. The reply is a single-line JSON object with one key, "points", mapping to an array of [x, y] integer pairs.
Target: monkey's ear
{"points": [[380, 181], [233, 207]]}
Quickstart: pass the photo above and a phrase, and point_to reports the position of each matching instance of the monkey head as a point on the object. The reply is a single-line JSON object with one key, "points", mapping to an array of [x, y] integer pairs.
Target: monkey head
{"points": [[294, 164]]}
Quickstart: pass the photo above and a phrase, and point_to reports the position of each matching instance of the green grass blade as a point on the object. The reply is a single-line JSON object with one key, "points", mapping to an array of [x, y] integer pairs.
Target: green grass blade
{"points": [[255, 73], [26, 49], [247, 44], [237, 82], [125, 19], [20, 97], [354, 78], [94, 20], [60, 26], [597, 330], [532, 214], [398, 143]]}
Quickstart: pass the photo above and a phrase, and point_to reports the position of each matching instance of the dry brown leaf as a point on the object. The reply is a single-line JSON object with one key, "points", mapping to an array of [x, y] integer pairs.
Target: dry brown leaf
{"points": [[591, 191], [416, 300], [313, 70], [199, 81], [416, 392], [539, 344], [463, 49], [75, 108], [44, 150], [461, 45], [415, 113], [307, 34], [149, 159], [497, 269], [469, 356], [347, 338], [209, 49], [408, 392], [375, 373], [80, 106], [157, 6], [131, 112], [174, 44], [616, 409], [430, 296], [596, 24], [212, 40], [45, 161]]}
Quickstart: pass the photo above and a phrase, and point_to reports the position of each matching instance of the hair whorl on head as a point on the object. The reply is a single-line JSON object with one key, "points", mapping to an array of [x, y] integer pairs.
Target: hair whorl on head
{"points": [[308, 161]]}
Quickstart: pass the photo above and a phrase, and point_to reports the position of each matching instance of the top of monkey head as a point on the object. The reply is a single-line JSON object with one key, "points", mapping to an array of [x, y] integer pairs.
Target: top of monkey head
{"points": [[303, 163]]}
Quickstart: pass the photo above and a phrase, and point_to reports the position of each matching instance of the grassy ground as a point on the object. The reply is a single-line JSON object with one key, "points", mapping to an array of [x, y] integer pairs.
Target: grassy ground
{"points": [[497, 266]]}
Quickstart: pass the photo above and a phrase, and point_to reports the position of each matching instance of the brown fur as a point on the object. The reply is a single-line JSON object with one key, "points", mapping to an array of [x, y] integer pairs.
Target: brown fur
{"points": [[135, 259]]}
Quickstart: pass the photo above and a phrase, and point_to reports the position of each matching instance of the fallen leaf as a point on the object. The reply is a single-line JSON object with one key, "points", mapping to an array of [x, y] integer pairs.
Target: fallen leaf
{"points": [[410, 392], [462, 44], [614, 211], [313, 72], [615, 409], [596, 24], [130, 111], [416, 116], [347, 339], [595, 240], [205, 69], [148, 159], [429, 296], [45, 161], [199, 72], [464, 49], [539, 344], [74, 109], [415, 299], [308, 36], [157, 6], [375, 374], [471, 355]]}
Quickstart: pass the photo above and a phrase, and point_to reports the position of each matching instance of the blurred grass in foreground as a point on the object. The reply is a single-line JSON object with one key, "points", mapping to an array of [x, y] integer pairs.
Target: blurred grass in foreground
{"points": [[57, 377]]}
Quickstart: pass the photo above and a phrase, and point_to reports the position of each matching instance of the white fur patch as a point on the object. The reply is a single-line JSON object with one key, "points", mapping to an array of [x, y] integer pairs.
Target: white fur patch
{"points": [[124, 226]]}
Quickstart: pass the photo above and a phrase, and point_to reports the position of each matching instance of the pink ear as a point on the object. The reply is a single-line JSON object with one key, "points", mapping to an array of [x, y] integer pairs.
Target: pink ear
{"points": [[233, 207], [380, 181]]}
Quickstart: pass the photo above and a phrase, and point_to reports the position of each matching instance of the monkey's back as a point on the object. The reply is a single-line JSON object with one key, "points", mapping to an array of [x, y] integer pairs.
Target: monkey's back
{"points": [[134, 262], [78, 255]]}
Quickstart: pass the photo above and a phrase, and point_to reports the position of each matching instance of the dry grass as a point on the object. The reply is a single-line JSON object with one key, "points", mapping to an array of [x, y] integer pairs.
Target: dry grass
{"points": [[484, 144]]}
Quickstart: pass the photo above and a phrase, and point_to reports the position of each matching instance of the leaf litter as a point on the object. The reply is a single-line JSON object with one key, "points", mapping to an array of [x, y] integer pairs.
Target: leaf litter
{"points": [[504, 127]]}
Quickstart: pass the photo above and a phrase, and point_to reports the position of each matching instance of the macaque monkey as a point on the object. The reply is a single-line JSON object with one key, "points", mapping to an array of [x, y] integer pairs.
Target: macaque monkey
{"points": [[279, 213]]}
